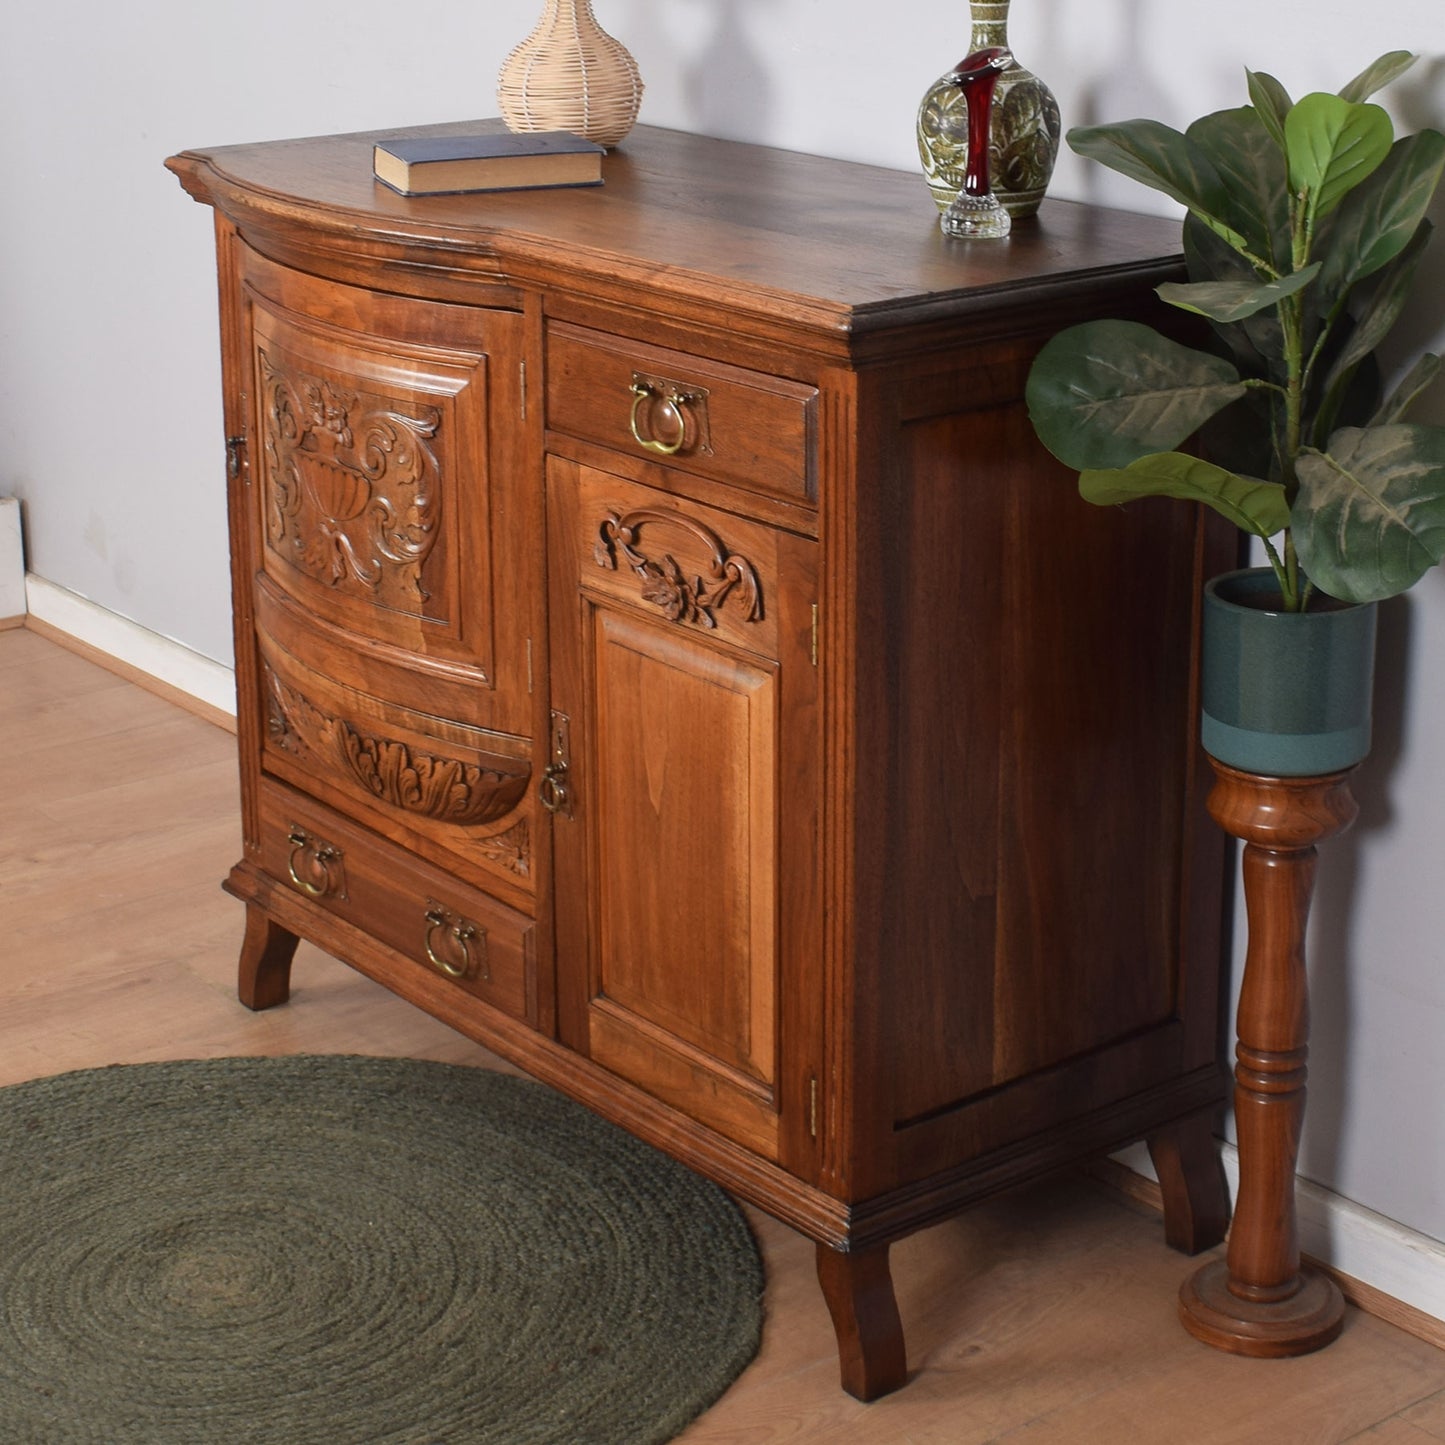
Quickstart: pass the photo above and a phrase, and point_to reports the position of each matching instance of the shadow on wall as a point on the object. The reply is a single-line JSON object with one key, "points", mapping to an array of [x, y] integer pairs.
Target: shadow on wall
{"points": [[1333, 960], [1127, 89], [1421, 105], [725, 77], [1336, 944]]}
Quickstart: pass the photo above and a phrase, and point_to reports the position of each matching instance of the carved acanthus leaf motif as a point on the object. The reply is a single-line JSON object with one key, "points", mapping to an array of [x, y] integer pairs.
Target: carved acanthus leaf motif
{"points": [[290, 717], [432, 785], [512, 849], [664, 584], [351, 482], [443, 788]]}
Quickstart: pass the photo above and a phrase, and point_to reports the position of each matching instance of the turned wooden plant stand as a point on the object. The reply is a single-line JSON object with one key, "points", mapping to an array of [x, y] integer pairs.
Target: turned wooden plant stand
{"points": [[1259, 1300]]}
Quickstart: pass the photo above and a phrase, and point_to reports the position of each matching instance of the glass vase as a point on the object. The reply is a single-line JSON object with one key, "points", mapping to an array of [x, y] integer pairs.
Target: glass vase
{"points": [[570, 74], [1023, 132], [975, 211]]}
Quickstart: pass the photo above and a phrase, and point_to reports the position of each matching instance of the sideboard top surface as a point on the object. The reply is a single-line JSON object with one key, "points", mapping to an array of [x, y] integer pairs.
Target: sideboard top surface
{"points": [[829, 244]]}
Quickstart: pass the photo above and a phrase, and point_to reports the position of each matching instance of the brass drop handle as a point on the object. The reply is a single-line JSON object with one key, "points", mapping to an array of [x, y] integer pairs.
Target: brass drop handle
{"points": [[441, 926], [665, 407], [552, 790], [320, 870]]}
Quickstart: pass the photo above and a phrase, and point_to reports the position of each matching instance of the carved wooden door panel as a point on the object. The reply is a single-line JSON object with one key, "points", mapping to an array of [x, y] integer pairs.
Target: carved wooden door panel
{"points": [[394, 569], [685, 847]]}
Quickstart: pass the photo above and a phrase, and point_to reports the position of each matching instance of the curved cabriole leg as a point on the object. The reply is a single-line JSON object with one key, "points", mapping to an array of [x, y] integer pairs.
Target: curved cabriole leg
{"points": [[859, 1291], [264, 976], [1258, 1300], [1191, 1179]]}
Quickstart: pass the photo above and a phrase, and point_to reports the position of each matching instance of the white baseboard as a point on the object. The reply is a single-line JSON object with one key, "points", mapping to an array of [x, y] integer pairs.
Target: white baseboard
{"points": [[12, 561], [162, 658], [1397, 1261]]}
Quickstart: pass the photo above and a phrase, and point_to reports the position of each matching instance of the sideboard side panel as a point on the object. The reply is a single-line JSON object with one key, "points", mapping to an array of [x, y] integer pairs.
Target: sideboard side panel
{"points": [[1025, 733]]}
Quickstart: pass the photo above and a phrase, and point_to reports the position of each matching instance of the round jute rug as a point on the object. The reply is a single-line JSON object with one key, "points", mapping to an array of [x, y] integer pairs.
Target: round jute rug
{"points": [[341, 1251]]}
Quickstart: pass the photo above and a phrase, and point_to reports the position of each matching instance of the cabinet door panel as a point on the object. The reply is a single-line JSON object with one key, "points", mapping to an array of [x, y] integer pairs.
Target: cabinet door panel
{"points": [[686, 873], [367, 449], [393, 542], [390, 496], [683, 742]]}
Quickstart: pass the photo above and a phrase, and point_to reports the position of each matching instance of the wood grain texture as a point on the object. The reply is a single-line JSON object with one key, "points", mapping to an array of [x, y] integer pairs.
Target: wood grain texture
{"points": [[1193, 1192], [183, 699], [1263, 1302], [1047, 1312], [858, 1290], [663, 583], [733, 233], [675, 650]]}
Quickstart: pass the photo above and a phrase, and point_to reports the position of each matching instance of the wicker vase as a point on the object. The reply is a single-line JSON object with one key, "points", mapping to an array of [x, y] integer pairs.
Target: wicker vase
{"points": [[570, 74]]}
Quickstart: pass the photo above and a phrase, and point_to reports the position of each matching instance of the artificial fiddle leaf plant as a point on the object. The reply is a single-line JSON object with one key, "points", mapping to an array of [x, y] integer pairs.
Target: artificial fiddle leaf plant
{"points": [[1306, 223]]}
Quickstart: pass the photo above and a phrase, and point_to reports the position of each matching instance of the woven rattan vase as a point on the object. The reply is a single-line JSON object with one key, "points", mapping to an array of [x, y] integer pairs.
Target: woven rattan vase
{"points": [[570, 74]]}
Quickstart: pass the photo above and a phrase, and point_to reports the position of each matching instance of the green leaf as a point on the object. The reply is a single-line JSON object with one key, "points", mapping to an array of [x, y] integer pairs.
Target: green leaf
{"points": [[1234, 300], [1415, 381], [1369, 518], [1241, 437], [1375, 308], [1106, 392], [1272, 102], [1253, 506], [1254, 189], [1163, 159], [1332, 145], [1378, 74], [1378, 220], [1257, 342]]}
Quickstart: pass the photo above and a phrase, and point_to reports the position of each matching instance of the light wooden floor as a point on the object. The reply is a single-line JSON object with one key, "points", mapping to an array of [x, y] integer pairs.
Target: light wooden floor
{"points": [[1048, 1317]]}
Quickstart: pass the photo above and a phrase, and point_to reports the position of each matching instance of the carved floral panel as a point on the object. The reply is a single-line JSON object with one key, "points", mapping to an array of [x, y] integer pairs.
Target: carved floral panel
{"points": [[681, 594], [352, 484]]}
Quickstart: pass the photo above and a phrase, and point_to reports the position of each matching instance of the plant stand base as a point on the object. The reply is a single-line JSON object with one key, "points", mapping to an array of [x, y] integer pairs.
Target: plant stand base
{"points": [[1307, 1320], [1258, 1300]]}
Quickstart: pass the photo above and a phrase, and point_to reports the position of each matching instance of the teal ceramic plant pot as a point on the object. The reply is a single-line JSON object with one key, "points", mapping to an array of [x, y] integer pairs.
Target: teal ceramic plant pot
{"points": [[1286, 694]]}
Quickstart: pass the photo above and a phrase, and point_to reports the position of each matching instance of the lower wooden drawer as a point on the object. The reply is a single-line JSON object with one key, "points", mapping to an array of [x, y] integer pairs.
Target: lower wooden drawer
{"points": [[445, 927]]}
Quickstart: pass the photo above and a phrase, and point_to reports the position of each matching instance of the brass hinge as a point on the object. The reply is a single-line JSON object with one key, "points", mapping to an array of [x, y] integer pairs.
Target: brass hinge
{"points": [[813, 1105], [234, 447], [529, 667], [522, 369], [815, 634]]}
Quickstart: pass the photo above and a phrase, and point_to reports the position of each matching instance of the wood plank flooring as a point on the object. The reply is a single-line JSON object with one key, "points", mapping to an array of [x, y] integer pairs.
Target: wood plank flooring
{"points": [[1043, 1319]]}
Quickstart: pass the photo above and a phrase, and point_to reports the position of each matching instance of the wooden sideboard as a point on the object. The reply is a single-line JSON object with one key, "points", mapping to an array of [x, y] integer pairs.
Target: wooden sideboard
{"points": [[664, 653]]}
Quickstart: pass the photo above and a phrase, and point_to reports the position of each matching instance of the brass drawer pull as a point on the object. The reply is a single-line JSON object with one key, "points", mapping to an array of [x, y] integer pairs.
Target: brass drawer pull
{"points": [[660, 420], [315, 865], [454, 945]]}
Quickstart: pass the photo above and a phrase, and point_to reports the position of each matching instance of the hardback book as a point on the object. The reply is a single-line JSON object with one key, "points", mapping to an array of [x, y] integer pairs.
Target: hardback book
{"points": [[437, 165]]}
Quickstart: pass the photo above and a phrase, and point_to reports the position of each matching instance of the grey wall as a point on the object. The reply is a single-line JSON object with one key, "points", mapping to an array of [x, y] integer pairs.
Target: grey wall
{"points": [[110, 424]]}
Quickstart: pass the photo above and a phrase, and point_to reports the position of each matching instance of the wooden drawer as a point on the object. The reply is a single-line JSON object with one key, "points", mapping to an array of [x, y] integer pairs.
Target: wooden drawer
{"points": [[441, 925], [740, 427]]}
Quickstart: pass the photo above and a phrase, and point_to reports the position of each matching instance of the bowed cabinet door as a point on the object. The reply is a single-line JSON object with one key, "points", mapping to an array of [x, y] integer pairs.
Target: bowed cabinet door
{"points": [[389, 565], [685, 777]]}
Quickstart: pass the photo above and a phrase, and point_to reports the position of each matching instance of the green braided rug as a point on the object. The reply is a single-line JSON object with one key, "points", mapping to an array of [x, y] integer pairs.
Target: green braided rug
{"points": [[348, 1251]]}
